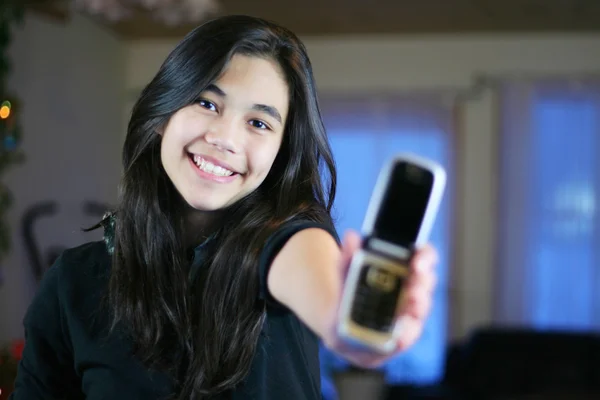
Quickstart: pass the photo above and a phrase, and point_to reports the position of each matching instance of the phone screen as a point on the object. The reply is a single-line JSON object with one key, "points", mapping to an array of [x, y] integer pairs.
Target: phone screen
{"points": [[403, 205]]}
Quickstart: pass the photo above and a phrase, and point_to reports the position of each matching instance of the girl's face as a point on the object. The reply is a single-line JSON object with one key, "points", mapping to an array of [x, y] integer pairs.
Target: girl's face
{"points": [[221, 148]]}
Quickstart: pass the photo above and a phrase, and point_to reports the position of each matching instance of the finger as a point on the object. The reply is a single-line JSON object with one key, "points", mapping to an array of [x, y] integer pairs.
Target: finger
{"points": [[417, 292], [367, 361], [424, 260], [360, 357], [423, 281], [418, 304], [410, 330], [351, 241], [364, 359], [350, 244]]}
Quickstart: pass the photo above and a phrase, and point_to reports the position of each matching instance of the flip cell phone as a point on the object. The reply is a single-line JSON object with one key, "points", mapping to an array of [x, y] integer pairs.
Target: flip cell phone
{"points": [[398, 221]]}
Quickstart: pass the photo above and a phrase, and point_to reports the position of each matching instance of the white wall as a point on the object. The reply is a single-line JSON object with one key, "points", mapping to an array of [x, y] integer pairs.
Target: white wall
{"points": [[70, 79], [413, 62], [376, 64]]}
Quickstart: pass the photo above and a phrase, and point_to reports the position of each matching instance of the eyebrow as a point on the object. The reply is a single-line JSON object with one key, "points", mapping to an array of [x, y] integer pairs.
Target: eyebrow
{"points": [[270, 110], [216, 90]]}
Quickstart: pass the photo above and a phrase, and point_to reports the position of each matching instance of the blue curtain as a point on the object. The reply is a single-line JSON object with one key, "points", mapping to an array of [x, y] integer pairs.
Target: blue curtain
{"points": [[550, 180]]}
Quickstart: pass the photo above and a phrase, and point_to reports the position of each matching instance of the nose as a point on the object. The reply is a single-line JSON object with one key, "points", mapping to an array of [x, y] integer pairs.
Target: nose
{"points": [[222, 135]]}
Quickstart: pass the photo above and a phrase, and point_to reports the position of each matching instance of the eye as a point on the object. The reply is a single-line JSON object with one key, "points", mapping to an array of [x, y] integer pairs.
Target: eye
{"points": [[256, 123], [207, 104]]}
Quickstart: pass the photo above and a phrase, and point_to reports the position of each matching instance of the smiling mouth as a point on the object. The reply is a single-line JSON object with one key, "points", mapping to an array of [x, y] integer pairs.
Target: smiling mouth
{"points": [[209, 167]]}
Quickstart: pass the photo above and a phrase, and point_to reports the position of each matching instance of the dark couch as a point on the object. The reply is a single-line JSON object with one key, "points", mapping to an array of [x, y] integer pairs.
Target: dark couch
{"points": [[516, 364]]}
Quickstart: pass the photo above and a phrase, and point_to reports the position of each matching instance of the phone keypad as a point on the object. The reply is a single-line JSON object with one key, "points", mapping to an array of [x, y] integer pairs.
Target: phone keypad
{"points": [[376, 298]]}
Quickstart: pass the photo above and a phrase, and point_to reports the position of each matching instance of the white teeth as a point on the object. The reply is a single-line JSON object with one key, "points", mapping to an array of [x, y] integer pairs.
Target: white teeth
{"points": [[210, 167]]}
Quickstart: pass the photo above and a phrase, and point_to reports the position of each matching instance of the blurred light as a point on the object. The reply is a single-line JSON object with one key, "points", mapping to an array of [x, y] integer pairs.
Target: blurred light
{"points": [[5, 109], [4, 112], [10, 143]]}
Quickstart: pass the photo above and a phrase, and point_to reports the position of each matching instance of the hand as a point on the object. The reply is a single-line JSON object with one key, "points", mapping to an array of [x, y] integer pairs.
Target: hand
{"points": [[412, 315]]}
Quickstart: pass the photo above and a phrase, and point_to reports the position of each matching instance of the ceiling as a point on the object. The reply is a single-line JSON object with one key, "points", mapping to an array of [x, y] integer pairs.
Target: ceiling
{"points": [[342, 17]]}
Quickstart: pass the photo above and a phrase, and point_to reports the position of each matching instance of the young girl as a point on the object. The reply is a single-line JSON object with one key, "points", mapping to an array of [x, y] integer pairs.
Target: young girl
{"points": [[220, 270]]}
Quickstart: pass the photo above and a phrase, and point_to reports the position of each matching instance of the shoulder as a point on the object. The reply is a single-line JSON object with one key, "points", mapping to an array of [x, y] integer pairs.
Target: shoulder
{"points": [[91, 260], [296, 235], [301, 230], [305, 240], [76, 275], [59, 321]]}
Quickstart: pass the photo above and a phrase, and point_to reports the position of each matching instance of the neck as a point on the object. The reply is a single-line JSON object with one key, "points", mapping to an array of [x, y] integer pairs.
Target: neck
{"points": [[200, 225]]}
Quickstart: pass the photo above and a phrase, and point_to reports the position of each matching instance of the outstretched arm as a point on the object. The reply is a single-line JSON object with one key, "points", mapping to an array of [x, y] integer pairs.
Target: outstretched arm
{"points": [[307, 276]]}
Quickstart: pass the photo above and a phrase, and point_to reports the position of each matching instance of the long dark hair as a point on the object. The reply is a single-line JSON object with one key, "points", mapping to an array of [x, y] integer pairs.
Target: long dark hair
{"points": [[204, 333]]}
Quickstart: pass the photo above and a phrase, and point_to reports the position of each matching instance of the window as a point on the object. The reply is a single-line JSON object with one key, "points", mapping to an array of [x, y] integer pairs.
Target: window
{"points": [[550, 165]]}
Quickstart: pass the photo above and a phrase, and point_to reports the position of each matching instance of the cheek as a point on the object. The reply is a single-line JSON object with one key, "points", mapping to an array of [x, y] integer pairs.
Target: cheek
{"points": [[265, 158], [163, 150], [166, 151], [172, 146]]}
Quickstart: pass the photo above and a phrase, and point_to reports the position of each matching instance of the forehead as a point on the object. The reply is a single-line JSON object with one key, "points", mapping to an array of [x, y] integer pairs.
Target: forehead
{"points": [[255, 80]]}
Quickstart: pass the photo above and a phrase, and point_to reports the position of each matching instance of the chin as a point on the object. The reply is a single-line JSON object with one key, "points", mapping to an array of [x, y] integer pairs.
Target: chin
{"points": [[208, 204]]}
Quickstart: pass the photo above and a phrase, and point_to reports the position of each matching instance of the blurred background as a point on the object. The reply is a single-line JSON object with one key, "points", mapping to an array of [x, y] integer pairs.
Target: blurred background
{"points": [[506, 95]]}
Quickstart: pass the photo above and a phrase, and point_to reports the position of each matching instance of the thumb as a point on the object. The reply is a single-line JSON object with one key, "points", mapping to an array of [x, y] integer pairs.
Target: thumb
{"points": [[350, 244]]}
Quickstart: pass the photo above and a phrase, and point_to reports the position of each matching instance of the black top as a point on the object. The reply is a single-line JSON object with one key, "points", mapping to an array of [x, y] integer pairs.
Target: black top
{"points": [[68, 355]]}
